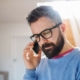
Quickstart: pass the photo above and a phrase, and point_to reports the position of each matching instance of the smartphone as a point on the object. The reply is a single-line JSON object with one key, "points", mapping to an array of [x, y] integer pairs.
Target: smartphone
{"points": [[36, 47]]}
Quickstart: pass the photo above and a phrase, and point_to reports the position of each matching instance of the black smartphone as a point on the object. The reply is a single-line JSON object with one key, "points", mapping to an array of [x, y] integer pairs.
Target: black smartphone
{"points": [[36, 47]]}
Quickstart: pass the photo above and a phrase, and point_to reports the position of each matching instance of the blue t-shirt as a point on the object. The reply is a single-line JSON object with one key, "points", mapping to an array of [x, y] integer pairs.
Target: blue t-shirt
{"points": [[63, 68]]}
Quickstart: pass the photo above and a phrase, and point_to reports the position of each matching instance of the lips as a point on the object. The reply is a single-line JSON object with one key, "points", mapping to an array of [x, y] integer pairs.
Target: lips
{"points": [[48, 47]]}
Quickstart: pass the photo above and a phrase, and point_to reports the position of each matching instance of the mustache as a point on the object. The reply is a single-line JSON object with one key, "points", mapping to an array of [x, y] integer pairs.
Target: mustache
{"points": [[48, 45]]}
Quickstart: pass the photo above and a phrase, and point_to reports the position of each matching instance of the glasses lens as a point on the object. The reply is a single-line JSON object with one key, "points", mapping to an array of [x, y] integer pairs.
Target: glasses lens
{"points": [[35, 37], [46, 34]]}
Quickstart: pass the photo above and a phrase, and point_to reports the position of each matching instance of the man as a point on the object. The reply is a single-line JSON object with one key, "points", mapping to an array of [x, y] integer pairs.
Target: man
{"points": [[62, 60]]}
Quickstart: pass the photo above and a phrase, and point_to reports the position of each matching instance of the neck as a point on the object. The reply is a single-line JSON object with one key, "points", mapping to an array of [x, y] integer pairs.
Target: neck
{"points": [[67, 46]]}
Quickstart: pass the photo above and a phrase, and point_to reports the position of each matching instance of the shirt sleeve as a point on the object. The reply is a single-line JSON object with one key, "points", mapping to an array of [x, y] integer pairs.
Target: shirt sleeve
{"points": [[30, 75]]}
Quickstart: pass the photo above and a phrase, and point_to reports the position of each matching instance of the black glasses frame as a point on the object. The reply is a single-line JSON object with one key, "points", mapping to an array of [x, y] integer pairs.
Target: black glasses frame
{"points": [[38, 35]]}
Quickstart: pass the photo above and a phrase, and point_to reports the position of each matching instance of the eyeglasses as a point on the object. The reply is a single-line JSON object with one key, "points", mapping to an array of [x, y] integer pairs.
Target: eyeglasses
{"points": [[47, 33]]}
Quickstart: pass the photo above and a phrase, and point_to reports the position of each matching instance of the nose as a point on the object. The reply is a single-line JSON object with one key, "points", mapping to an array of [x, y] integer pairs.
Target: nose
{"points": [[43, 40]]}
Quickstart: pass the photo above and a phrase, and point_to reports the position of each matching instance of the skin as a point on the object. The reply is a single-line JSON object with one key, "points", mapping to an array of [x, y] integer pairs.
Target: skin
{"points": [[32, 61]]}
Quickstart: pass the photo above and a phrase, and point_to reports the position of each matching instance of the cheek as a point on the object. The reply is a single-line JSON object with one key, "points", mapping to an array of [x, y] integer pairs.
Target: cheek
{"points": [[53, 40], [39, 44], [54, 37]]}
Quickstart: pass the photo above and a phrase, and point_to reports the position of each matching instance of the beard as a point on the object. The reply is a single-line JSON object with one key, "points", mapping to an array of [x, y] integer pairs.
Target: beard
{"points": [[53, 49]]}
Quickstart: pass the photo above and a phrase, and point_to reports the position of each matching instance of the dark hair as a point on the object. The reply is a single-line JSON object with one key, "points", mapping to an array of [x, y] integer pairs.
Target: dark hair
{"points": [[43, 11]]}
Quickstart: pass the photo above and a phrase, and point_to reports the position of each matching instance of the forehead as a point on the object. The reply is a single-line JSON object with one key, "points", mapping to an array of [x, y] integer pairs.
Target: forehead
{"points": [[41, 24]]}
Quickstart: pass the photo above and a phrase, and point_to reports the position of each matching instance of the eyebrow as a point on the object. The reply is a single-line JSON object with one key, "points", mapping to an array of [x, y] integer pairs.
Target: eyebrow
{"points": [[47, 29]]}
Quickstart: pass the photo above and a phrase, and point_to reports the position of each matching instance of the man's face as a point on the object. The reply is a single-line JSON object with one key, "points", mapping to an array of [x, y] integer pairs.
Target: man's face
{"points": [[51, 49], [53, 45]]}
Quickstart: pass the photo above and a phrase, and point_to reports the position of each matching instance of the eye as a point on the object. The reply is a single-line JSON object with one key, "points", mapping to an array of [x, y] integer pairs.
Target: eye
{"points": [[36, 37], [46, 32]]}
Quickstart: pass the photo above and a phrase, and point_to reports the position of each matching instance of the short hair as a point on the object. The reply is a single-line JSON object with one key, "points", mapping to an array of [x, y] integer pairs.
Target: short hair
{"points": [[43, 11]]}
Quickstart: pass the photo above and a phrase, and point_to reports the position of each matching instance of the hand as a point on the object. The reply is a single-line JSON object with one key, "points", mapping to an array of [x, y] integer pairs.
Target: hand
{"points": [[31, 61]]}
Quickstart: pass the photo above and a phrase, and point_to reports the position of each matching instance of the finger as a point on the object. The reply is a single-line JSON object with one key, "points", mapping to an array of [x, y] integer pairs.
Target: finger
{"points": [[28, 50], [29, 47], [31, 54], [28, 53], [25, 52]]}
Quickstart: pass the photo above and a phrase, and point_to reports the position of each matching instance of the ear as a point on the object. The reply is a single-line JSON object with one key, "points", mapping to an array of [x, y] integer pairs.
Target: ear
{"points": [[63, 28]]}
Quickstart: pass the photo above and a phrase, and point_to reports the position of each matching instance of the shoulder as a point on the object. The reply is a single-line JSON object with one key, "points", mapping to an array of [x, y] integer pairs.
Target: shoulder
{"points": [[76, 52], [44, 58], [75, 56]]}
